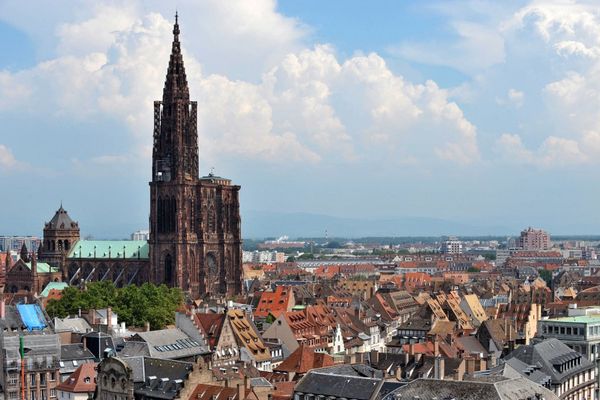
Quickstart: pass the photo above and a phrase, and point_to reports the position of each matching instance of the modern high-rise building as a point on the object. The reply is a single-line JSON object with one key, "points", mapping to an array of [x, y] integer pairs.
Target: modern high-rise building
{"points": [[452, 246], [195, 236], [534, 239]]}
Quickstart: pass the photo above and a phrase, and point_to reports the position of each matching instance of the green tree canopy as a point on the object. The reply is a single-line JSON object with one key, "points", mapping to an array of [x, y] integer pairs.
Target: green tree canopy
{"points": [[135, 305]]}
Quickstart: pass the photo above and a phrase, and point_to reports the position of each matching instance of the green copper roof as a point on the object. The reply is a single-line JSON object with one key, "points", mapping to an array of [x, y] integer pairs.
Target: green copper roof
{"points": [[53, 285], [43, 268], [581, 319], [105, 249]]}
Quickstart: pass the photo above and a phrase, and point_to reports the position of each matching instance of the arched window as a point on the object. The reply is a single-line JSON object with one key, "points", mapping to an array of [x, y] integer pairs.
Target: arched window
{"points": [[67, 245]]}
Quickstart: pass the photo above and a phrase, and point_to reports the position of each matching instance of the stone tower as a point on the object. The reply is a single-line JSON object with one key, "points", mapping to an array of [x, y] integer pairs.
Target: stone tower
{"points": [[60, 235], [195, 239]]}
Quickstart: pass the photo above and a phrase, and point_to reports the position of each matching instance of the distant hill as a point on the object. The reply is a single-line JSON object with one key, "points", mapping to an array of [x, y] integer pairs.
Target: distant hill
{"points": [[260, 224]]}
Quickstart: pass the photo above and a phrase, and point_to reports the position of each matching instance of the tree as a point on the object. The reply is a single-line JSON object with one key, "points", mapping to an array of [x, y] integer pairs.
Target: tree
{"points": [[135, 305], [473, 269]]}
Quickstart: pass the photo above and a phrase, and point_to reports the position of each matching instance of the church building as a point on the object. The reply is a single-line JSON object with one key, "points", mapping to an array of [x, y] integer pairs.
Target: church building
{"points": [[195, 230]]}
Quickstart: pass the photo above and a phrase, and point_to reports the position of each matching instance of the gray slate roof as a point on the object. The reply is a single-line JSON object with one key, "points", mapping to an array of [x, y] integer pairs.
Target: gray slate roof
{"points": [[158, 378], [75, 352], [358, 370], [72, 325], [171, 344], [514, 368], [508, 389], [349, 387], [548, 353]]}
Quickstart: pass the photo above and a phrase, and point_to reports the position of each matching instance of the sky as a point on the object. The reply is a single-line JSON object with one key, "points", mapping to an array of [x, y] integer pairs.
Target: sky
{"points": [[484, 113]]}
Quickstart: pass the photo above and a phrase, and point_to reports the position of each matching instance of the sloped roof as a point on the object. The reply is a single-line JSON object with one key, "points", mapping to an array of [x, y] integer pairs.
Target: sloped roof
{"points": [[42, 268], [304, 359], [212, 324], [170, 343], [113, 249], [53, 285], [275, 302], [507, 389], [548, 353], [61, 220], [350, 387], [83, 380]]}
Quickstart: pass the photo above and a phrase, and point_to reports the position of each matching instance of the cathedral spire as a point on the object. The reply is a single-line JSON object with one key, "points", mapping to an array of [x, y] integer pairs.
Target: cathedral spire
{"points": [[176, 83]]}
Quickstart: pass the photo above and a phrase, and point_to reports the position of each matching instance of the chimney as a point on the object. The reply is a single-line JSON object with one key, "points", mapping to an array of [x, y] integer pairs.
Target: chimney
{"points": [[439, 365], [399, 373], [411, 349], [246, 382], [2, 307], [240, 392], [436, 347], [418, 357], [374, 357], [470, 366], [147, 326], [109, 319]]}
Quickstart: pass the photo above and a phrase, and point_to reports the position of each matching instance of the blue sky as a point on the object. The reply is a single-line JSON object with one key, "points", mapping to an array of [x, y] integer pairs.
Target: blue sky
{"points": [[472, 111]]}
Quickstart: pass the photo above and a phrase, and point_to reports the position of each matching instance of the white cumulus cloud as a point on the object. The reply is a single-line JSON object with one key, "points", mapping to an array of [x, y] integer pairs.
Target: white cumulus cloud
{"points": [[303, 105]]}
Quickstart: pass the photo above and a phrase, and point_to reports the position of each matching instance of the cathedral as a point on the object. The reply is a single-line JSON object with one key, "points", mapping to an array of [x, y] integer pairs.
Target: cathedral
{"points": [[195, 239], [195, 231]]}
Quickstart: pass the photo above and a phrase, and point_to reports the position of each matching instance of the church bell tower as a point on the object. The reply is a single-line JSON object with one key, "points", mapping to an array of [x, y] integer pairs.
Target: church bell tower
{"points": [[195, 239]]}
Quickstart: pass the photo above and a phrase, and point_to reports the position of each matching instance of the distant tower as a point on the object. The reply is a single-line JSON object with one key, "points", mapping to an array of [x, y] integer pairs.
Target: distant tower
{"points": [[60, 235], [195, 239]]}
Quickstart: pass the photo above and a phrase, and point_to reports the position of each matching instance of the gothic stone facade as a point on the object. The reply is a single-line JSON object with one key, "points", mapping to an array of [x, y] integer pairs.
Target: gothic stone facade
{"points": [[195, 239]]}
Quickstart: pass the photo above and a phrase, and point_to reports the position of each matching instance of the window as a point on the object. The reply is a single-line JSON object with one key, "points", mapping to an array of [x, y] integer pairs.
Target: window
{"points": [[32, 396], [52, 393], [74, 363], [42, 378], [32, 379], [12, 396]]}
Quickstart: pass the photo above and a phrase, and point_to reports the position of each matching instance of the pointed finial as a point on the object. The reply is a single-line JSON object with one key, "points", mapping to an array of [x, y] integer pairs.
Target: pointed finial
{"points": [[176, 27]]}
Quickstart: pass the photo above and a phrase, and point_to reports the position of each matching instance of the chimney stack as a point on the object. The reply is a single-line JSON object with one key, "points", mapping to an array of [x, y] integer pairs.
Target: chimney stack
{"points": [[439, 366], [411, 349], [108, 319], [147, 326], [241, 391]]}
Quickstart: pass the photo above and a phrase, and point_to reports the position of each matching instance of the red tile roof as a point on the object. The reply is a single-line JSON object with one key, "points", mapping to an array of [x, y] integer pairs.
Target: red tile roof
{"points": [[211, 325], [275, 303], [83, 380], [304, 359], [208, 392]]}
